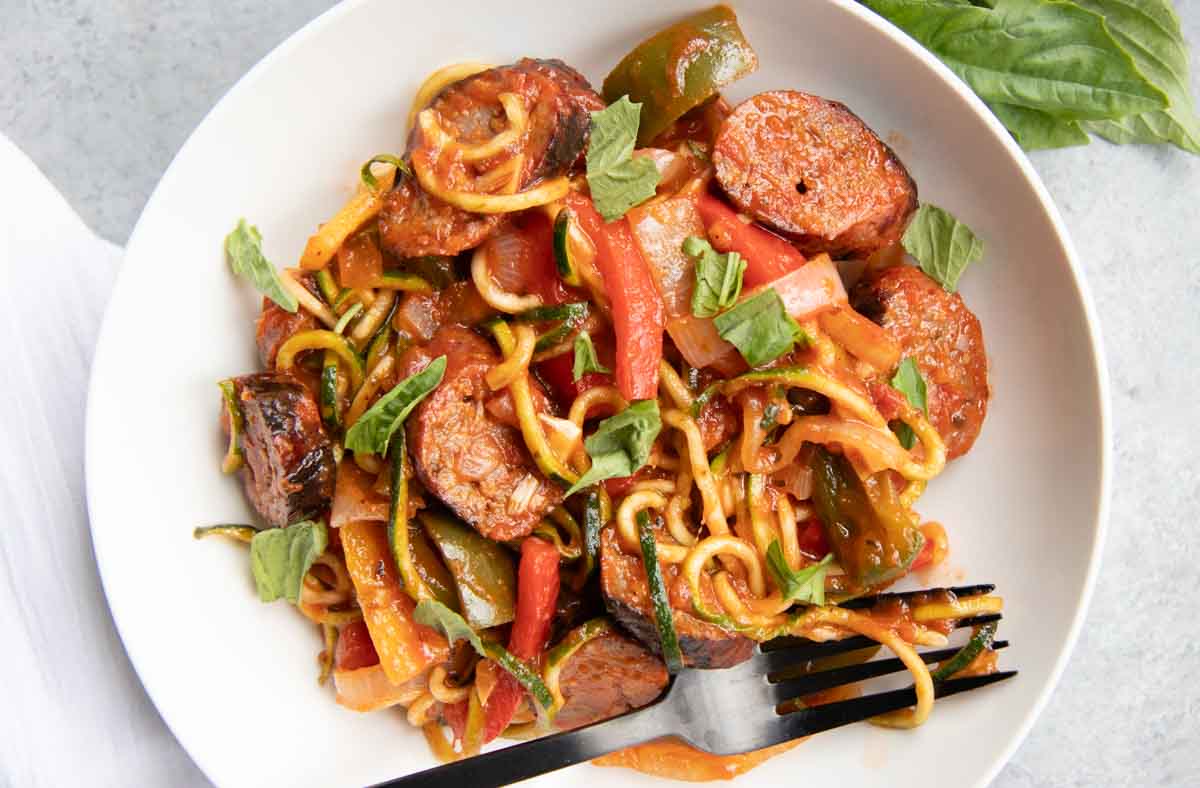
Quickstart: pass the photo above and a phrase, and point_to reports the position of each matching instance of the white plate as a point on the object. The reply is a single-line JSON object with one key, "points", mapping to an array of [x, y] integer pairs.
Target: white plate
{"points": [[234, 679]]}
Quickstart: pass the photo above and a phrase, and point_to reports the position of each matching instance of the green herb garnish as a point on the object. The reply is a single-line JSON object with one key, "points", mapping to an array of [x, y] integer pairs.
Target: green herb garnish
{"points": [[616, 179], [243, 246], [371, 433], [621, 443], [718, 277], [281, 557]]}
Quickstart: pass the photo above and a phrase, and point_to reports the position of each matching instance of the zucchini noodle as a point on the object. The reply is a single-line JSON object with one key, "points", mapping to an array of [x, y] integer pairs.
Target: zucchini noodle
{"points": [[438, 81], [635, 502], [517, 362], [307, 300], [582, 405], [370, 322], [674, 387], [285, 357], [381, 372], [497, 298]]}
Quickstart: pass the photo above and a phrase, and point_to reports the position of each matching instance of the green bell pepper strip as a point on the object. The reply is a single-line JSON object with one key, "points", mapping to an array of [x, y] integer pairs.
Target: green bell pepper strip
{"points": [[483, 571], [873, 536], [680, 67]]}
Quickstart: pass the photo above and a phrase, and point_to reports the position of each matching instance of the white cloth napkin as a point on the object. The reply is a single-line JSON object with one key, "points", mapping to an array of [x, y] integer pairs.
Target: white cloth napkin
{"points": [[73, 710]]}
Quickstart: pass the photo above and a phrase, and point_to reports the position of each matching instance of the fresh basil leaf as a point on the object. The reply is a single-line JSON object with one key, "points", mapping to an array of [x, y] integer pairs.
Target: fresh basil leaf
{"points": [[616, 180], [434, 614], [1150, 32], [281, 557], [760, 328], [621, 444], [909, 382], [244, 249], [806, 586], [1035, 130], [1039, 54], [718, 277], [368, 177], [942, 245], [374, 429], [585, 357]]}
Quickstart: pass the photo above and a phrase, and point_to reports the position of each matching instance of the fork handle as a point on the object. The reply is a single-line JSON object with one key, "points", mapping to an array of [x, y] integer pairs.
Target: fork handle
{"points": [[540, 756]]}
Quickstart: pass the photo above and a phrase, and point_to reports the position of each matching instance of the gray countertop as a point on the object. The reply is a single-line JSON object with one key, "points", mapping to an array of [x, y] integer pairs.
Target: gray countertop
{"points": [[102, 94]]}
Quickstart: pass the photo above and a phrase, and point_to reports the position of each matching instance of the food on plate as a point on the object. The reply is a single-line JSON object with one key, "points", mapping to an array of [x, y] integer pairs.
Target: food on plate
{"points": [[571, 396]]}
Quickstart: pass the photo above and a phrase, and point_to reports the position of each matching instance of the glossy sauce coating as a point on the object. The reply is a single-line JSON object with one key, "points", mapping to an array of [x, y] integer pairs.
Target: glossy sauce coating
{"points": [[477, 466], [944, 337], [811, 168]]}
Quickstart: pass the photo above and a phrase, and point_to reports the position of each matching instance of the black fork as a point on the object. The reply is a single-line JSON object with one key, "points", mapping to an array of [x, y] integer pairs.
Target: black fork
{"points": [[724, 712]]}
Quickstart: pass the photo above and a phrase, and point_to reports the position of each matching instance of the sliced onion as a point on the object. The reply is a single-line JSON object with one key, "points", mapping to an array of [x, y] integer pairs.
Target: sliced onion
{"points": [[660, 230], [508, 253], [698, 340], [368, 689], [795, 478], [811, 288], [862, 338]]}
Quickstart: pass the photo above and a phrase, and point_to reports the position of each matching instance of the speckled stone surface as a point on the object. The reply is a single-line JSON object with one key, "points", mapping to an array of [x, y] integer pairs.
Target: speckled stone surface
{"points": [[102, 93]]}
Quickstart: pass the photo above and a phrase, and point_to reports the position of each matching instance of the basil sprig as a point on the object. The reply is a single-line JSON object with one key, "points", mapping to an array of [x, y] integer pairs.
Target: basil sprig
{"points": [[760, 328], [621, 444], [585, 357], [281, 557], [718, 277], [616, 179], [942, 245], [1053, 71], [374, 429], [243, 246], [909, 382], [806, 586]]}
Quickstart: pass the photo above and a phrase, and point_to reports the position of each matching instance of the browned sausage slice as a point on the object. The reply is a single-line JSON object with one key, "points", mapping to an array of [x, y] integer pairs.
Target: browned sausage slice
{"points": [[275, 326], [289, 471], [609, 675], [464, 455], [627, 597], [559, 102], [943, 336], [812, 169], [414, 223]]}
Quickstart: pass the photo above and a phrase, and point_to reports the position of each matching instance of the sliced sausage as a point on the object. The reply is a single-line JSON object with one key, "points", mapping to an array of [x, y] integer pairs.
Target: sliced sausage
{"points": [[275, 326], [289, 472], [559, 102], [627, 597], [811, 168], [477, 466], [940, 333], [413, 223], [609, 675]]}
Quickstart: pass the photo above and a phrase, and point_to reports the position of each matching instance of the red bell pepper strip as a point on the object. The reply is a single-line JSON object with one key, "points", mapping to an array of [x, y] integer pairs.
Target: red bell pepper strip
{"points": [[354, 648], [558, 372], [812, 540], [637, 308], [767, 256], [537, 595]]}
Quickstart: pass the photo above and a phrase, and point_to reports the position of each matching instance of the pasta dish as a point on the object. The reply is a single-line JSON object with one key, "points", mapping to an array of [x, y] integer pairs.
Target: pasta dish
{"points": [[583, 388]]}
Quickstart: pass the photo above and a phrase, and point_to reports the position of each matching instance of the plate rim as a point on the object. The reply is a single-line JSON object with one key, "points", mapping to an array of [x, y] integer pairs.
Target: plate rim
{"points": [[1024, 165]]}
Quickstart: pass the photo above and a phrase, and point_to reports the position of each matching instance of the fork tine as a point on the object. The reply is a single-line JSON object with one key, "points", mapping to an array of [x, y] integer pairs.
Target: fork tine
{"points": [[786, 651], [823, 680], [809, 720], [958, 591]]}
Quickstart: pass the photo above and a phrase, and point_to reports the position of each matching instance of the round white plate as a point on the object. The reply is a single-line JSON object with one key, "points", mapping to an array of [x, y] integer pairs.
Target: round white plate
{"points": [[235, 679]]}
